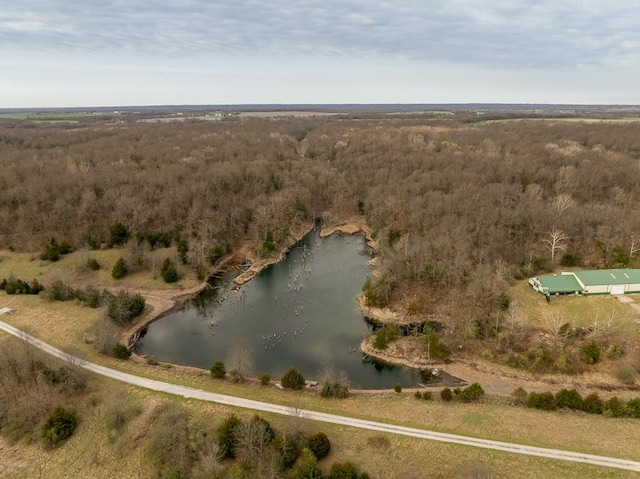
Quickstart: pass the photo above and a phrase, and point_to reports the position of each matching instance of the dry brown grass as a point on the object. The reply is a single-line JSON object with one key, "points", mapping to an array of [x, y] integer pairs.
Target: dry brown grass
{"points": [[72, 268], [63, 324], [91, 454], [576, 310]]}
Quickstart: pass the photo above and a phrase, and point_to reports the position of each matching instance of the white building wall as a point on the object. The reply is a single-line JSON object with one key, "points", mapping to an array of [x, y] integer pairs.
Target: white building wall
{"points": [[597, 289]]}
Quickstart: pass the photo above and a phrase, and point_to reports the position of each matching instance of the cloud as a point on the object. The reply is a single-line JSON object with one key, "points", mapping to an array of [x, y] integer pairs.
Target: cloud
{"points": [[537, 34]]}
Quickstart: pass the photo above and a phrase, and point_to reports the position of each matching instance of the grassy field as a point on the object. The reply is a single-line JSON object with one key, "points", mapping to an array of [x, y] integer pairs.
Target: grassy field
{"points": [[64, 325], [93, 453], [605, 313], [72, 268]]}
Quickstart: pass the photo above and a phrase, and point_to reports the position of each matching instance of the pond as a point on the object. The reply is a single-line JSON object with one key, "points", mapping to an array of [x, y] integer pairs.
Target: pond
{"points": [[301, 312]]}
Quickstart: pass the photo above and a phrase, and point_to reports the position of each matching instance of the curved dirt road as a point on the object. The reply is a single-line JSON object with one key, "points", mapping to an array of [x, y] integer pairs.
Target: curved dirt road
{"points": [[202, 395]]}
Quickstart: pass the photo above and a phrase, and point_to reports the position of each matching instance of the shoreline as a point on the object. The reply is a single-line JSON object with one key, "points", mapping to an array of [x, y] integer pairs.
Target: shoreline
{"points": [[164, 301]]}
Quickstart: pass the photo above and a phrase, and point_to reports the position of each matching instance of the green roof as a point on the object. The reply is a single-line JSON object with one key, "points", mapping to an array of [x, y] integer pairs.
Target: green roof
{"points": [[560, 283], [608, 276]]}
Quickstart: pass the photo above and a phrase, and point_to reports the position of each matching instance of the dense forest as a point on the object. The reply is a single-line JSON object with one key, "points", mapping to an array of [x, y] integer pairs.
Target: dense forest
{"points": [[457, 208]]}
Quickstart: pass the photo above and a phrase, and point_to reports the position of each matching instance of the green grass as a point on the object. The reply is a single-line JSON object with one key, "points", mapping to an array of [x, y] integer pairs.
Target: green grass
{"points": [[578, 310], [93, 452]]}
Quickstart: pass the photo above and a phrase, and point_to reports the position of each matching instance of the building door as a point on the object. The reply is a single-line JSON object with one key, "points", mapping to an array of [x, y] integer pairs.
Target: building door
{"points": [[617, 289]]}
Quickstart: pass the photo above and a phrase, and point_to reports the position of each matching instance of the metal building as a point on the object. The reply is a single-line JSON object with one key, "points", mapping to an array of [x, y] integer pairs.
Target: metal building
{"points": [[595, 281]]}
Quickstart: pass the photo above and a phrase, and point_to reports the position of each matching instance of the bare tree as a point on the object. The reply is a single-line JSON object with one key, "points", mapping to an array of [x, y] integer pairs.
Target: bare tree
{"points": [[253, 438], [563, 202], [634, 247], [555, 242], [240, 361], [555, 324], [515, 317]]}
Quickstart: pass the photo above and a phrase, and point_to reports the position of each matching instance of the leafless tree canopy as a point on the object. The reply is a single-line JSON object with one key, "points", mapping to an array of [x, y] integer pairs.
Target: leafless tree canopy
{"points": [[455, 206]]}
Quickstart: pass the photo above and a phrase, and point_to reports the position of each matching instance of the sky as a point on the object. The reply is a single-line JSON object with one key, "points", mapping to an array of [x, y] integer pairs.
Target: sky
{"points": [[82, 53]]}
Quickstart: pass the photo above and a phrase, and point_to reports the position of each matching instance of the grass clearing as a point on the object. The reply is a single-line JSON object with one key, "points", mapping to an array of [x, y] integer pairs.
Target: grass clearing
{"points": [[94, 452], [72, 268], [578, 310], [64, 325]]}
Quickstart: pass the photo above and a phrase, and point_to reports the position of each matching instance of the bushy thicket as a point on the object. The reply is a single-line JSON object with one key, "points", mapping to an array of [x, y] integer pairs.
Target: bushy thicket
{"points": [[572, 399], [473, 392], [384, 335], [32, 386], [18, 286], [292, 379], [60, 425], [122, 307]]}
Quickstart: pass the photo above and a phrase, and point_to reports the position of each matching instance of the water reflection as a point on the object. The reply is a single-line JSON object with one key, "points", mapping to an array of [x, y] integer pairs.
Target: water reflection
{"points": [[299, 313]]}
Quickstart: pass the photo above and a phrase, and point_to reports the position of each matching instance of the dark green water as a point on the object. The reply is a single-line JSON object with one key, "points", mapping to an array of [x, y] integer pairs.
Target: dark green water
{"points": [[299, 313]]}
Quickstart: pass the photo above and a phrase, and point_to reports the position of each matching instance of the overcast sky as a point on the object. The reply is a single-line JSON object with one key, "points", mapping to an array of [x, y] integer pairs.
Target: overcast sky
{"points": [[153, 52]]}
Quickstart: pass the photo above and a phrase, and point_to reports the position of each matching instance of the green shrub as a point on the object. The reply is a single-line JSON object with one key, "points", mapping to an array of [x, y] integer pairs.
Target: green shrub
{"points": [[118, 235], [446, 395], [473, 392], [120, 269], [380, 340], [320, 445], [227, 437], [65, 247], [417, 395], [435, 348], [569, 399], [570, 260], [345, 470], [218, 370], [201, 272], [398, 388], [427, 396], [265, 379], [632, 407], [613, 407], [183, 249], [59, 426], [385, 335], [591, 352], [168, 271], [593, 404], [51, 251], [306, 467], [120, 351], [545, 401], [292, 379], [93, 264], [17, 286]]}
